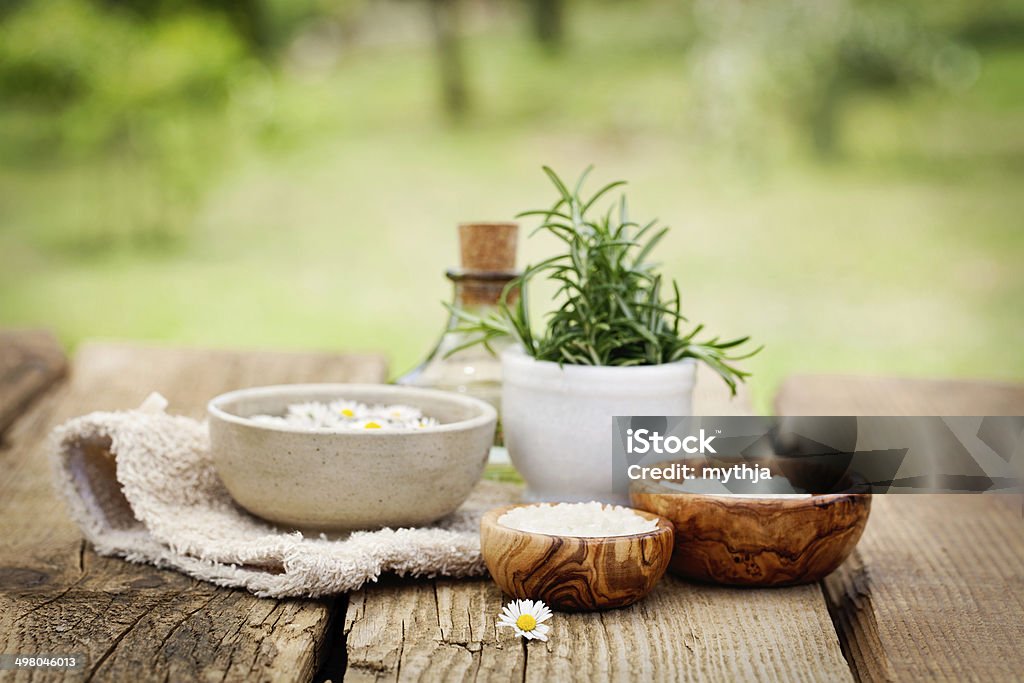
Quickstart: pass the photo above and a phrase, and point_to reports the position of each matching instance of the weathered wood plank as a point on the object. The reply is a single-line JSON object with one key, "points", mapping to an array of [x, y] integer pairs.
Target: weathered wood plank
{"points": [[682, 631], [935, 590], [839, 395], [31, 361], [137, 622], [442, 630], [692, 632]]}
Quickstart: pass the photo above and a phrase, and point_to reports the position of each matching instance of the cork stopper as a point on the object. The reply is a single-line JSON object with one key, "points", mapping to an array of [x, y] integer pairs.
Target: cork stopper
{"points": [[488, 246]]}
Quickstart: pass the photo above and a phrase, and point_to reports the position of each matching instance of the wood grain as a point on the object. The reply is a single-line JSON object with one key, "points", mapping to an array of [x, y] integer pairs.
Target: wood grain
{"points": [[692, 632], [136, 622], [446, 630], [442, 630], [759, 542], [935, 589], [31, 361], [680, 632], [573, 573], [839, 395]]}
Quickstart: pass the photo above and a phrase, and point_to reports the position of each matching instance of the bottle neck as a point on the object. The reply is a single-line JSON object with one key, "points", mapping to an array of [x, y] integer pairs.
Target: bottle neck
{"points": [[480, 292]]}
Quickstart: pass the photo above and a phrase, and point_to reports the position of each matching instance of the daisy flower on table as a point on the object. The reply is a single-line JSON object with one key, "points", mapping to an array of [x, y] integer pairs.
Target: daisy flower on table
{"points": [[527, 618]]}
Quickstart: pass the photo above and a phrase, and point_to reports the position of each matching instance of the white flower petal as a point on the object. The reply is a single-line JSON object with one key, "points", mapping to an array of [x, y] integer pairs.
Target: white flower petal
{"points": [[540, 612]]}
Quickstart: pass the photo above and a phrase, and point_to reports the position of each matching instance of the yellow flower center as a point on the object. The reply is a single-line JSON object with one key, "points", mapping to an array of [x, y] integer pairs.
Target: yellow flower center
{"points": [[347, 412], [526, 622], [372, 425]]}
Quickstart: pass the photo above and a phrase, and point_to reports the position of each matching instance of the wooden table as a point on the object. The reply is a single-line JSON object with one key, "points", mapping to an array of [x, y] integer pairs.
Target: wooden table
{"points": [[935, 589]]}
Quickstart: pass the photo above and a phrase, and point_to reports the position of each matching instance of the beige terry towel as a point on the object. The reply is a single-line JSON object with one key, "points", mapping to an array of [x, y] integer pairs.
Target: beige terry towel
{"points": [[142, 486]]}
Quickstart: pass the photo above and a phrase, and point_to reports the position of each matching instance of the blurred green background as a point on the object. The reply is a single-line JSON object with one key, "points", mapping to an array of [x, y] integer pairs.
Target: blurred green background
{"points": [[844, 178]]}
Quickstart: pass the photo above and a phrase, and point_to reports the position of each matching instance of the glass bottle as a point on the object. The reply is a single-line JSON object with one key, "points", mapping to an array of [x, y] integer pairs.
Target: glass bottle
{"points": [[488, 265]]}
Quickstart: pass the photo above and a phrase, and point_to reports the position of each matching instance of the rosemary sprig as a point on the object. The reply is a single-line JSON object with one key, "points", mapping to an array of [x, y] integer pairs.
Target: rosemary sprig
{"points": [[610, 305]]}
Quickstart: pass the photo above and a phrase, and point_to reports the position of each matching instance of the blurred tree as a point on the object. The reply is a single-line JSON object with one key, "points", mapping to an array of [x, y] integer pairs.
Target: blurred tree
{"points": [[249, 18], [454, 93], [803, 60], [548, 17], [108, 87]]}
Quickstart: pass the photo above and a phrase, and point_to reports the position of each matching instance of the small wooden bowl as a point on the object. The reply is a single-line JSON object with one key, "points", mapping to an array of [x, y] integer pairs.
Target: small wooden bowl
{"points": [[575, 573], [759, 541]]}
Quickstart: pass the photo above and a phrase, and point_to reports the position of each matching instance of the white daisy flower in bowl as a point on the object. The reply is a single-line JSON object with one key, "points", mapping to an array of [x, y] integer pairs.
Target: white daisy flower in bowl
{"points": [[348, 415], [348, 410], [310, 415], [397, 413], [527, 618]]}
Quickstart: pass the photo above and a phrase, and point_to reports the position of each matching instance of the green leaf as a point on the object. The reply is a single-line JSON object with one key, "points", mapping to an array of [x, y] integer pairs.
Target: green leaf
{"points": [[653, 242], [600, 193], [608, 307], [566, 195]]}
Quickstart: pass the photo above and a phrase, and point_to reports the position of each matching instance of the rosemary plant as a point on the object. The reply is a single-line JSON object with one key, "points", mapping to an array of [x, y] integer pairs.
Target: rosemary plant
{"points": [[613, 307]]}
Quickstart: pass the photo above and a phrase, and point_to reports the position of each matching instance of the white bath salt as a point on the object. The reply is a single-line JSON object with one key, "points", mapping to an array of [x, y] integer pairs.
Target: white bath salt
{"points": [[577, 519], [347, 415]]}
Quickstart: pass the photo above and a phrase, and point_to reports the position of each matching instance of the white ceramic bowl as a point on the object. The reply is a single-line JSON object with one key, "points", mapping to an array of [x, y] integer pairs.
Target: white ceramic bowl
{"points": [[557, 420], [345, 480]]}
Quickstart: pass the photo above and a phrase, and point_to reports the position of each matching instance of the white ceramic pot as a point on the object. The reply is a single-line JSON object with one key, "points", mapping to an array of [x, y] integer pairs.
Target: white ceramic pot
{"points": [[557, 420]]}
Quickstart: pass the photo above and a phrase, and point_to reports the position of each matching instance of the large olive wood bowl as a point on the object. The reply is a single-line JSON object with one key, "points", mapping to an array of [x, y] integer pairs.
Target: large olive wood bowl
{"points": [[758, 541], [575, 573]]}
